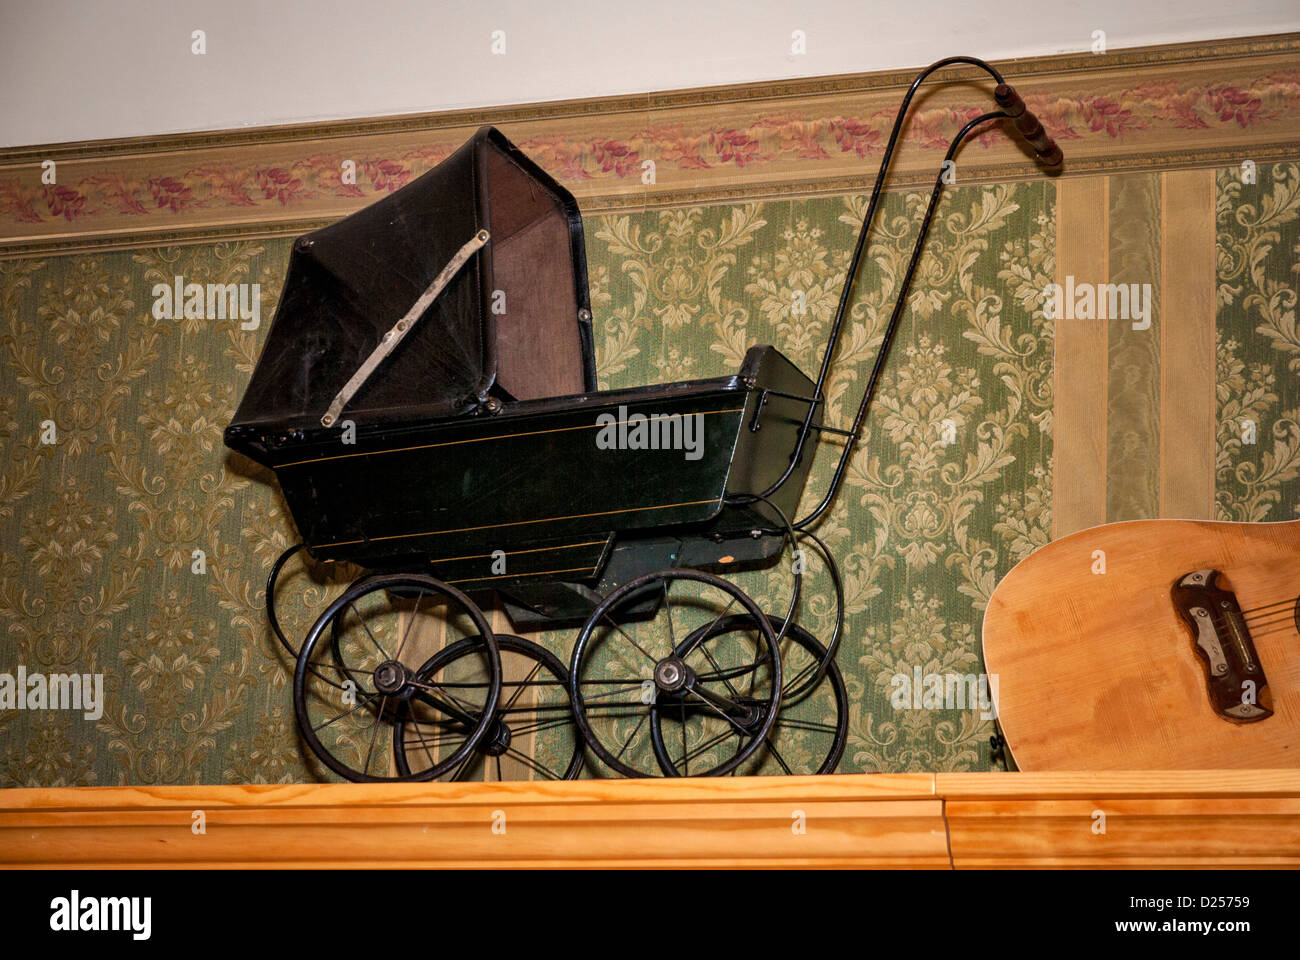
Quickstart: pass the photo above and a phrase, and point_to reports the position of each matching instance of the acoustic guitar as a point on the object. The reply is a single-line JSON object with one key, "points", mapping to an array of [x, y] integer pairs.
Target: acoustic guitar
{"points": [[1151, 644]]}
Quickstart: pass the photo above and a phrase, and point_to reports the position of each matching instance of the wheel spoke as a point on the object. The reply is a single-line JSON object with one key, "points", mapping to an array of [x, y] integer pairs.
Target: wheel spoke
{"points": [[540, 726], [409, 623], [347, 713], [718, 619], [353, 607], [704, 747], [605, 696], [704, 648], [799, 677], [672, 634], [715, 709], [515, 696], [630, 640], [374, 736], [753, 672], [464, 765], [635, 731], [470, 708], [779, 759], [626, 683], [636, 709], [717, 700], [804, 725], [540, 708], [533, 764], [424, 743], [686, 763], [334, 666], [417, 721], [441, 738]]}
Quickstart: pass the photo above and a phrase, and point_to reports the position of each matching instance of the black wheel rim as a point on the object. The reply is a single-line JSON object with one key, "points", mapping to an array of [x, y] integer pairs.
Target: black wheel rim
{"points": [[533, 730], [349, 730], [810, 732], [620, 673]]}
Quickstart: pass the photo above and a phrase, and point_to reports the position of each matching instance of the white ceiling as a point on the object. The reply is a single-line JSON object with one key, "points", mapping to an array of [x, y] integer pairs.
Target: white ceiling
{"points": [[81, 69]]}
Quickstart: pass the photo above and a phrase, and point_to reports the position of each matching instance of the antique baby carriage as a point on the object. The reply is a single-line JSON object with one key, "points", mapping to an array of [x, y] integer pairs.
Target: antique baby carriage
{"points": [[427, 398]]}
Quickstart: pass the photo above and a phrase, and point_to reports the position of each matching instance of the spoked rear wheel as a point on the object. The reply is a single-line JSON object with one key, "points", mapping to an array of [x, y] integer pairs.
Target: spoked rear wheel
{"points": [[532, 735], [810, 731], [359, 669], [626, 672]]}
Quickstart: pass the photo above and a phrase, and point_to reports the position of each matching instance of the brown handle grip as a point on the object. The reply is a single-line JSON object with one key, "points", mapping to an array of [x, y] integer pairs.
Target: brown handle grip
{"points": [[1028, 125]]}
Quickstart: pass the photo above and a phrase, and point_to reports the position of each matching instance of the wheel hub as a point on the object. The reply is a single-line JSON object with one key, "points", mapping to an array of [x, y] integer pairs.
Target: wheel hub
{"points": [[391, 677], [749, 717], [672, 675], [496, 740]]}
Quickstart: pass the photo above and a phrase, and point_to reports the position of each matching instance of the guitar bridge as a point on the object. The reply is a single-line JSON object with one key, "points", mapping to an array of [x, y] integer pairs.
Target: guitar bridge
{"points": [[1234, 678]]}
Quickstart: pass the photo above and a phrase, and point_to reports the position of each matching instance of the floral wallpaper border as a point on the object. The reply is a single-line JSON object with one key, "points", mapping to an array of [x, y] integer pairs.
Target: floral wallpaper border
{"points": [[1176, 102]]}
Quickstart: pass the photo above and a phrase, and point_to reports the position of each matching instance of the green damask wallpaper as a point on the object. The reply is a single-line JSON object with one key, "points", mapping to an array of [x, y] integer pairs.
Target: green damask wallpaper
{"points": [[951, 485], [1257, 473]]}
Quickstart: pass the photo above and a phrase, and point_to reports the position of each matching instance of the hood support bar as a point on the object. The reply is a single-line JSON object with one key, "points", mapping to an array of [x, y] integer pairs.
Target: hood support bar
{"points": [[389, 341]]}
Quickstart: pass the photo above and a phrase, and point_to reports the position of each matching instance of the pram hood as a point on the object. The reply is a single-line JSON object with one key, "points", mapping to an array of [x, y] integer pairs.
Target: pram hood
{"points": [[514, 323]]}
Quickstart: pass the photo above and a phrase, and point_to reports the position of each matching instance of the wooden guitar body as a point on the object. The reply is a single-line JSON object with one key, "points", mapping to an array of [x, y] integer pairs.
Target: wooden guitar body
{"points": [[1118, 647]]}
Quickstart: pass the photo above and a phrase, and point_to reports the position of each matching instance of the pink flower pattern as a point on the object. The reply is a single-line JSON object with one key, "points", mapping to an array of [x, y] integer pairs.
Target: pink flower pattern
{"points": [[785, 137]]}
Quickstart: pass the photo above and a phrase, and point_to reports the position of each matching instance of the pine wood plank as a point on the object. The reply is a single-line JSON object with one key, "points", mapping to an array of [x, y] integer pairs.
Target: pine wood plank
{"points": [[1212, 818], [847, 821]]}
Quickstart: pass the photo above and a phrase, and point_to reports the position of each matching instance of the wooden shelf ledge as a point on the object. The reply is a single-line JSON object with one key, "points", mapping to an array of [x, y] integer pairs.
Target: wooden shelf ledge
{"points": [[1209, 818]]}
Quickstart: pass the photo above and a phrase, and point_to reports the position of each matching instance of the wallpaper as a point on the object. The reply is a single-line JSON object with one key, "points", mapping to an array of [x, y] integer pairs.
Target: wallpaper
{"points": [[1257, 473], [133, 544]]}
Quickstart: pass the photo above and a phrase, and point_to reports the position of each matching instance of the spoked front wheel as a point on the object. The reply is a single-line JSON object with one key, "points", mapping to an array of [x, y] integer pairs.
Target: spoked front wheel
{"points": [[532, 735], [810, 731], [359, 669], [627, 672]]}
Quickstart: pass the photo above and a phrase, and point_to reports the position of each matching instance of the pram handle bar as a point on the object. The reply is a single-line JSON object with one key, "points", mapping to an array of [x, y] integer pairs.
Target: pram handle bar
{"points": [[389, 341], [1029, 127], [891, 329]]}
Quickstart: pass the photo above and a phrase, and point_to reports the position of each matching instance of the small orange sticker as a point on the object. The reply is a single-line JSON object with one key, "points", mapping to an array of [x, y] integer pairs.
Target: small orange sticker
{"points": [[726, 559]]}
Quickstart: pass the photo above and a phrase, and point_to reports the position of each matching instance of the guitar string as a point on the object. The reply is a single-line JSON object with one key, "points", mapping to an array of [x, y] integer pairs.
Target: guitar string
{"points": [[1239, 638], [1276, 617], [1278, 614], [1266, 606], [1261, 627], [1270, 614], [1220, 618], [1278, 621], [1271, 632], [1270, 628], [1270, 617]]}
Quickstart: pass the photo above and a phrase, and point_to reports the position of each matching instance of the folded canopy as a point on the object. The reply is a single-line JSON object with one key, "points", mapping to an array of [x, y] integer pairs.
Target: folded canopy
{"points": [[513, 324]]}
